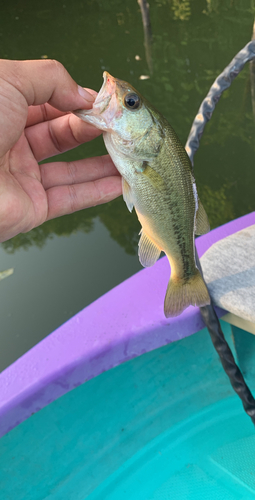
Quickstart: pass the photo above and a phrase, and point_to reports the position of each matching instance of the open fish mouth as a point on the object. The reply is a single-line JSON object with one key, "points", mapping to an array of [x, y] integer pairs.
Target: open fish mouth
{"points": [[105, 105], [107, 90]]}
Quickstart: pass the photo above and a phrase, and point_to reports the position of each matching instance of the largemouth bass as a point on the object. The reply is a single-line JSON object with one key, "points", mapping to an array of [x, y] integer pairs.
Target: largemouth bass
{"points": [[157, 180]]}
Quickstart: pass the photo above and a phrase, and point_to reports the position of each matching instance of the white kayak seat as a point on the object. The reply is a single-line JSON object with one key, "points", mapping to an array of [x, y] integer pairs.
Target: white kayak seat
{"points": [[229, 271]]}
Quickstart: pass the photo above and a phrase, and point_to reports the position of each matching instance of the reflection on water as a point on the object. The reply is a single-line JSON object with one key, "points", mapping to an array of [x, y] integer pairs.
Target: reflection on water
{"points": [[218, 204], [49, 286], [148, 39], [252, 76], [6, 273], [122, 226], [184, 47], [181, 9]]}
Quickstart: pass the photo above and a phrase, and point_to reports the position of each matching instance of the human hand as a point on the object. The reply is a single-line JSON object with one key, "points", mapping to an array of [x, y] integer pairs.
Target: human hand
{"points": [[36, 98]]}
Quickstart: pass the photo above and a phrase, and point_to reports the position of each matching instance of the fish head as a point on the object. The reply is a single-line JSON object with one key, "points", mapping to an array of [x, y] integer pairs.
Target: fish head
{"points": [[120, 110]]}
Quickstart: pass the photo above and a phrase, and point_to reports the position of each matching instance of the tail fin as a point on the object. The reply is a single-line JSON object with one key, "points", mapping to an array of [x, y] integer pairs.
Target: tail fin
{"points": [[181, 294]]}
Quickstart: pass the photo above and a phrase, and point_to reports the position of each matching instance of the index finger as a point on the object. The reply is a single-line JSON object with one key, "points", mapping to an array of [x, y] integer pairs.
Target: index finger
{"points": [[46, 112]]}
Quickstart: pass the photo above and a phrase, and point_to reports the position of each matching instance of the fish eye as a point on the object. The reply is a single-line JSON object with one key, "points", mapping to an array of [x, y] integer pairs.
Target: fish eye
{"points": [[132, 101]]}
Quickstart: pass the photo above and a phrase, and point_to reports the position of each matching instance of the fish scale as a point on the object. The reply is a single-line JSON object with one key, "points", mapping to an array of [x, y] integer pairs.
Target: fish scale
{"points": [[158, 182]]}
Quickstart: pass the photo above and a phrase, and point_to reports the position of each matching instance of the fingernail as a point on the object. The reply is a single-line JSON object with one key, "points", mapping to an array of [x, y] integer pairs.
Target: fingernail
{"points": [[85, 94]]}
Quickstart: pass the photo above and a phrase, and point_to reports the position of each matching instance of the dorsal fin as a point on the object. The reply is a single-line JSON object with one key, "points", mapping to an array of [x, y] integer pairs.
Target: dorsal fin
{"points": [[202, 225]]}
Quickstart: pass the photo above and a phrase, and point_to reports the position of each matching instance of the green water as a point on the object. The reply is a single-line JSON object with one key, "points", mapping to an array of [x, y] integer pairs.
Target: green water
{"points": [[67, 263]]}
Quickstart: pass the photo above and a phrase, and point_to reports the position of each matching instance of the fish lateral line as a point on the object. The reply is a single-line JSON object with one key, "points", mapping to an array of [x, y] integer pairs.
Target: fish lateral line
{"points": [[157, 180]]}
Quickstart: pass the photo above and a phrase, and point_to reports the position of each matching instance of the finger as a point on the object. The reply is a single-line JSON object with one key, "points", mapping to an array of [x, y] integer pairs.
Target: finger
{"points": [[25, 83], [53, 137], [45, 81], [77, 172], [63, 200], [42, 113], [45, 112]]}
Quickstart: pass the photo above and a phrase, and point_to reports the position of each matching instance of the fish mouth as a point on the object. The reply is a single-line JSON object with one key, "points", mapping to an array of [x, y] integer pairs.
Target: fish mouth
{"points": [[104, 106], [105, 93]]}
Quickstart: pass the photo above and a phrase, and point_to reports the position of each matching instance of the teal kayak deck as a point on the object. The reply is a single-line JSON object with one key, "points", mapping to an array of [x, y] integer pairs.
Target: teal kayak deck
{"points": [[165, 425]]}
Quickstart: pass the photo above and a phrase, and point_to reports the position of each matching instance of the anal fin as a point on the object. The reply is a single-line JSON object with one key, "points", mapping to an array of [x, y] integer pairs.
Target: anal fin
{"points": [[148, 251]]}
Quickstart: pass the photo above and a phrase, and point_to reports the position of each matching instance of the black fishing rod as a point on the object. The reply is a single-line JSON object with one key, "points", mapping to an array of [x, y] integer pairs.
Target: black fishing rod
{"points": [[222, 82]]}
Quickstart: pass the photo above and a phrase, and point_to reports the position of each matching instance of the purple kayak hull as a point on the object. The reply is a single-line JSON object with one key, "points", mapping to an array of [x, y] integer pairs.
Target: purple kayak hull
{"points": [[124, 323]]}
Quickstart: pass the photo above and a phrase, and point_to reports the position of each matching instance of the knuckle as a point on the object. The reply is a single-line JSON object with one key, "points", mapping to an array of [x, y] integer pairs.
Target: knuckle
{"points": [[57, 67], [73, 198], [98, 196], [54, 67], [44, 112], [54, 139], [71, 171]]}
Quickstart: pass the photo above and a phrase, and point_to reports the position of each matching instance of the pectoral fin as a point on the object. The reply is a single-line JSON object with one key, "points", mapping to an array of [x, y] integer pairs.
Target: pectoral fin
{"points": [[155, 179], [202, 225], [127, 195], [148, 252]]}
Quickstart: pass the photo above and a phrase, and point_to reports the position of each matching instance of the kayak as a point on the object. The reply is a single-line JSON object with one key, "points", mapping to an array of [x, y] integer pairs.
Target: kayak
{"points": [[132, 405]]}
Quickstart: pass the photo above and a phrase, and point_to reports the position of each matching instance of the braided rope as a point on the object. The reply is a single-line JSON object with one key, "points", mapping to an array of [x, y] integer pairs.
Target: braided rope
{"points": [[222, 82]]}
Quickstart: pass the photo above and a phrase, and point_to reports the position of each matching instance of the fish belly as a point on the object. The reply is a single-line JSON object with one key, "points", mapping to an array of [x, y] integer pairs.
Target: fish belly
{"points": [[186, 286], [167, 217]]}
